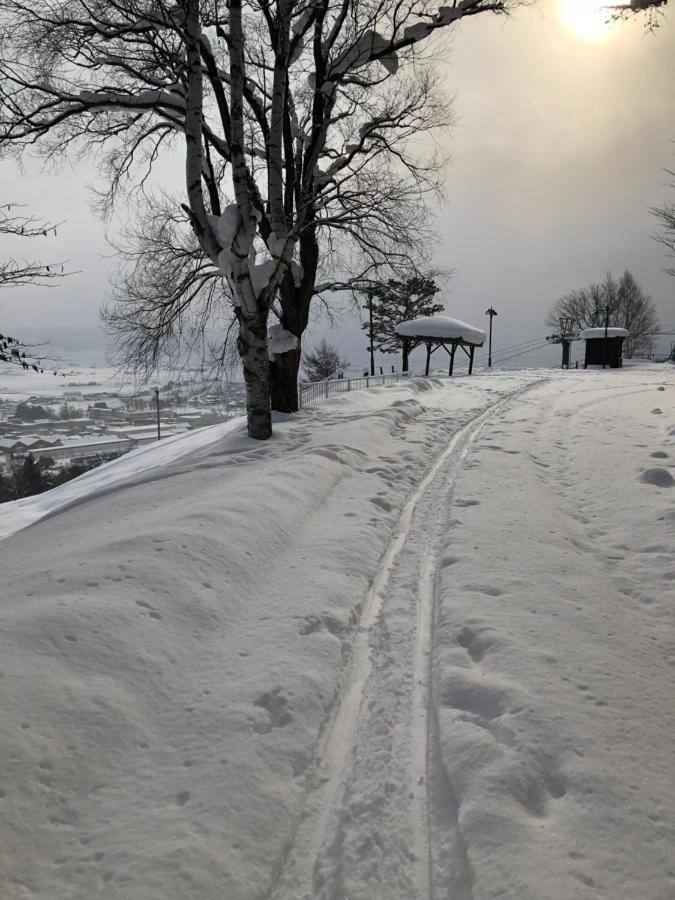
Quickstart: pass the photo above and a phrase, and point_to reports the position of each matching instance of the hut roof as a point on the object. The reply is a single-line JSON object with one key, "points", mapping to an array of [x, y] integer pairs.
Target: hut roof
{"points": [[594, 333], [441, 328]]}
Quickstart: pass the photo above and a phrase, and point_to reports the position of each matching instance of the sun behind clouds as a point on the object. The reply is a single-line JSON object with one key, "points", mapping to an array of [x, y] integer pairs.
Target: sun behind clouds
{"points": [[587, 18]]}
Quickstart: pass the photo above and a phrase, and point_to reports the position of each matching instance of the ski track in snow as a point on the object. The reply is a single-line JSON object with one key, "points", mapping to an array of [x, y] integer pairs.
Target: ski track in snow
{"points": [[458, 694], [343, 821]]}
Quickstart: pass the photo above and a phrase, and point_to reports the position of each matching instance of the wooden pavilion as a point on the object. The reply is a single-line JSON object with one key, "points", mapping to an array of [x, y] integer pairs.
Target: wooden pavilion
{"points": [[437, 332]]}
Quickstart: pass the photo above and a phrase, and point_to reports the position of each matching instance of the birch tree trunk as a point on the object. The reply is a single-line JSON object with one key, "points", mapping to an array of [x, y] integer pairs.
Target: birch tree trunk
{"points": [[252, 312]]}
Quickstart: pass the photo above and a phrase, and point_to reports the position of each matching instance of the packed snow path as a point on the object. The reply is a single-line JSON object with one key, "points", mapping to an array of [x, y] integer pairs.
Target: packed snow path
{"points": [[363, 836], [421, 649]]}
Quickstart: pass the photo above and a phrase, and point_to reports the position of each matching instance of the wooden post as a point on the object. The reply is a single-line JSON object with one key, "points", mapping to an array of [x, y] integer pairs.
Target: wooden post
{"points": [[452, 359], [471, 359], [426, 371], [406, 351]]}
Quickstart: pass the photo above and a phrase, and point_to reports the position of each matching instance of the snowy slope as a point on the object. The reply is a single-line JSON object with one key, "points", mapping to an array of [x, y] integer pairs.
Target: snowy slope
{"points": [[391, 653], [139, 464]]}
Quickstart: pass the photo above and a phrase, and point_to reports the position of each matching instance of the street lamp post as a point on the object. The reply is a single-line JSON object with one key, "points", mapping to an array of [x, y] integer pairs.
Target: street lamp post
{"points": [[605, 352], [370, 320], [492, 313]]}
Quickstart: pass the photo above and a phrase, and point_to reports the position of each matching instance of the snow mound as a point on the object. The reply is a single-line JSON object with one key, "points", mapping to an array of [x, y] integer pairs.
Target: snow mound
{"points": [[137, 465], [441, 327]]}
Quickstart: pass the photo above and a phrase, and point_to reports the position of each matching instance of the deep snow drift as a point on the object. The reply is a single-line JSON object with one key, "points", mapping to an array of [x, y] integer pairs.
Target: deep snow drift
{"points": [[418, 645]]}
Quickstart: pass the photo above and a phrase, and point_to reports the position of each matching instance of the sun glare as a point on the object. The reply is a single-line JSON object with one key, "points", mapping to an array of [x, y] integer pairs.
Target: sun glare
{"points": [[587, 18]]}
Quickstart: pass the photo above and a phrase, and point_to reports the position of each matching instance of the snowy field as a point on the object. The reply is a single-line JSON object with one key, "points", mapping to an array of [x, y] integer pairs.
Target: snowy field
{"points": [[418, 645], [15, 384]]}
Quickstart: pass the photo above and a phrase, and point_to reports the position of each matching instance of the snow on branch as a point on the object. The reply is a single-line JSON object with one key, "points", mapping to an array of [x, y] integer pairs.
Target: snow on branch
{"points": [[297, 122]]}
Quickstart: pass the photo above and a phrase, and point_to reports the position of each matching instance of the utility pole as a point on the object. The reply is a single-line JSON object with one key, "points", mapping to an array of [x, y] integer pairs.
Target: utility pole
{"points": [[159, 432], [370, 320], [492, 313], [605, 353]]}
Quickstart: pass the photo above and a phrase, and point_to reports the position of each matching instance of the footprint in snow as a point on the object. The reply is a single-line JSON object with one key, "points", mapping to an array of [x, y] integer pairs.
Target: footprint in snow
{"points": [[276, 705], [475, 645], [484, 589], [657, 476], [381, 503]]}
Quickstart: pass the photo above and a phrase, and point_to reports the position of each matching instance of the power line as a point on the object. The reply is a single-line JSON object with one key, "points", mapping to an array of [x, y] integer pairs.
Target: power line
{"points": [[524, 352], [525, 346], [513, 347]]}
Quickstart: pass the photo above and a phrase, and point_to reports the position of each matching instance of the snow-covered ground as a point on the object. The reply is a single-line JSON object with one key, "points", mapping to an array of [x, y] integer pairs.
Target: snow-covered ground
{"points": [[418, 645]]}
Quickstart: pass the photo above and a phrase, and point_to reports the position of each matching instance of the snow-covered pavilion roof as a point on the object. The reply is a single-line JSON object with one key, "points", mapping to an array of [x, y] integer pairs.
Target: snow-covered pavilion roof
{"points": [[593, 333], [441, 328]]}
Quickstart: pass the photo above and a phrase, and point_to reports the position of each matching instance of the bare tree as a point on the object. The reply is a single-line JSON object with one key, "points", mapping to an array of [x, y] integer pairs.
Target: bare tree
{"points": [[324, 362], [170, 305], [629, 307], [652, 10], [299, 122], [666, 216], [14, 273]]}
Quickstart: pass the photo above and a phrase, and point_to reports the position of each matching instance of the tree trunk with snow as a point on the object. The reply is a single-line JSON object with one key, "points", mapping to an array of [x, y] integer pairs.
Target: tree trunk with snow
{"points": [[295, 303], [284, 369], [405, 354], [252, 346]]}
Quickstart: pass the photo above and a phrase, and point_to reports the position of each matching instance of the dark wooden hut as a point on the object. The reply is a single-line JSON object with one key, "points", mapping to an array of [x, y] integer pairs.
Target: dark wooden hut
{"points": [[604, 347]]}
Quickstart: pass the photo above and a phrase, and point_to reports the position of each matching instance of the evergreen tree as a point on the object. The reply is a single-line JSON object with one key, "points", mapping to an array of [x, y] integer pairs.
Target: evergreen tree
{"points": [[73, 470], [31, 412], [27, 477], [394, 302], [6, 488]]}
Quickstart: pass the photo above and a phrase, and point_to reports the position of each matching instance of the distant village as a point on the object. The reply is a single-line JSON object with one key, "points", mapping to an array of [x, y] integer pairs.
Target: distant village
{"points": [[86, 425]]}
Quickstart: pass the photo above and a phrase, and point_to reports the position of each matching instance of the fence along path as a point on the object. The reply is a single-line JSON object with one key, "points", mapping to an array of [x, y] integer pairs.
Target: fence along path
{"points": [[314, 391]]}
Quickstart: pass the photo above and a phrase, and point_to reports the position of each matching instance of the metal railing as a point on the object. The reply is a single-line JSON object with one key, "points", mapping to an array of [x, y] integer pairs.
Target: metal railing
{"points": [[314, 391]]}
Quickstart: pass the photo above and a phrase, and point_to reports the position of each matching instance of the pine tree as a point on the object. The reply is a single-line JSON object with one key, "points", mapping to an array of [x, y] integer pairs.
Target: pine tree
{"points": [[394, 302], [27, 477], [6, 489]]}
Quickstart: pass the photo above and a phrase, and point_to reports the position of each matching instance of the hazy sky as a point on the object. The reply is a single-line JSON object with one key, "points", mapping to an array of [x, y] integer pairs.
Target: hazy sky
{"points": [[558, 151]]}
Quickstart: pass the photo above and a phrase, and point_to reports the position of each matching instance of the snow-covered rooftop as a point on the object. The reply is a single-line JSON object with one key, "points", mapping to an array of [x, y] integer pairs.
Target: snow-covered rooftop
{"points": [[442, 328], [591, 333]]}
